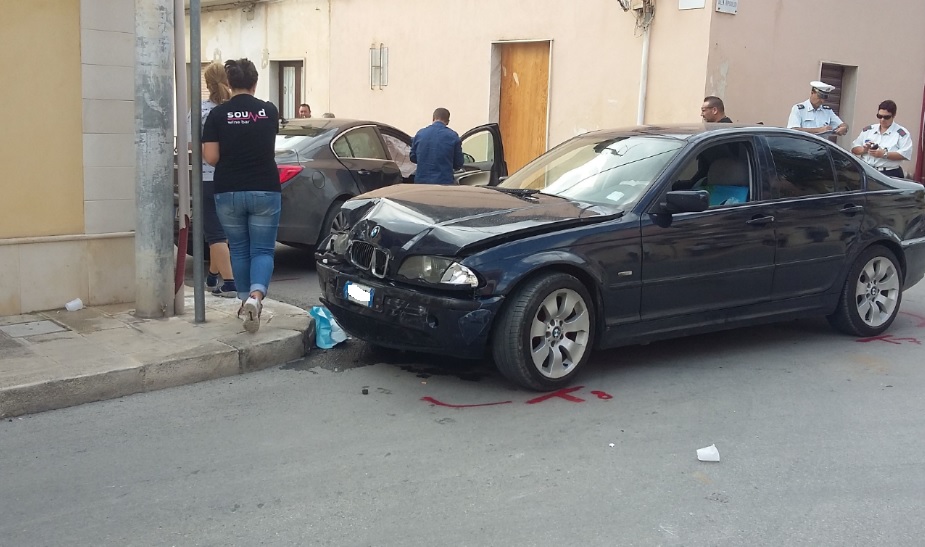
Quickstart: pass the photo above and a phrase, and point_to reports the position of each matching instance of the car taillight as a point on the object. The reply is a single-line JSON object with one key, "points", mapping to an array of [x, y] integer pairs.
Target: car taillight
{"points": [[288, 172]]}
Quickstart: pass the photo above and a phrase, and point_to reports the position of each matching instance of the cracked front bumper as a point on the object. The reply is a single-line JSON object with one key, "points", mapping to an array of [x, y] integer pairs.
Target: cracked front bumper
{"points": [[402, 317]]}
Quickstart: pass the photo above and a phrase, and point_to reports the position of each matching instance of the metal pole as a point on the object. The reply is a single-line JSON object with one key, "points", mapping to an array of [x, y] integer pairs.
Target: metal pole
{"points": [[195, 54], [195, 58], [154, 294]]}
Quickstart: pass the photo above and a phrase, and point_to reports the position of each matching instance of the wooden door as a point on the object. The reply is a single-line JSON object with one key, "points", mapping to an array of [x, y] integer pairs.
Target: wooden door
{"points": [[523, 101]]}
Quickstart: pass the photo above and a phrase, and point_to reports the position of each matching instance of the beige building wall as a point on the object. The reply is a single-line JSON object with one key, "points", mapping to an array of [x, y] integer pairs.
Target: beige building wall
{"points": [[678, 51], [265, 32], [42, 186], [759, 60], [68, 156], [762, 59], [440, 54]]}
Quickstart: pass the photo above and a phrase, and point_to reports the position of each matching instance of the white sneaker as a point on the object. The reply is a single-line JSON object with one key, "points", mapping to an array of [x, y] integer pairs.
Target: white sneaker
{"points": [[251, 309]]}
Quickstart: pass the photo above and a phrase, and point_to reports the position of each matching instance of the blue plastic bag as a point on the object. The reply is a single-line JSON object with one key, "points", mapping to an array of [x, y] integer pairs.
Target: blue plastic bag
{"points": [[327, 332]]}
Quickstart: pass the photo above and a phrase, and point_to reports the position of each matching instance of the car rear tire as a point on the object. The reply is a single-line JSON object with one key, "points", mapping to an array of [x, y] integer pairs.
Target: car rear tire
{"points": [[334, 221], [872, 293], [545, 332]]}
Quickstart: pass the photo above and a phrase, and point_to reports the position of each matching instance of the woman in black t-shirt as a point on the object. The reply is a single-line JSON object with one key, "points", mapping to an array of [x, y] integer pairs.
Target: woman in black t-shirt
{"points": [[239, 138]]}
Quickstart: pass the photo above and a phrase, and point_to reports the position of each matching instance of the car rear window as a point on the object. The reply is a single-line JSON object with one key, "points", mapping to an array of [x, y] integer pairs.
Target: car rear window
{"points": [[304, 140]]}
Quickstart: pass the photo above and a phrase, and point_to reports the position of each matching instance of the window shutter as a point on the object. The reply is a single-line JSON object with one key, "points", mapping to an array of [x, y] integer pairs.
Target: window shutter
{"points": [[833, 75]]}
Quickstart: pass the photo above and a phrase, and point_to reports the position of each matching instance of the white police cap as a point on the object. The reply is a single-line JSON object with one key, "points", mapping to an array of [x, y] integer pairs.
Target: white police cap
{"points": [[822, 86]]}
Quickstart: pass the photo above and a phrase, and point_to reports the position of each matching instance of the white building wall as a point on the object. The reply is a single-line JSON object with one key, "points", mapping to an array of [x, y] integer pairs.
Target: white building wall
{"points": [[283, 30]]}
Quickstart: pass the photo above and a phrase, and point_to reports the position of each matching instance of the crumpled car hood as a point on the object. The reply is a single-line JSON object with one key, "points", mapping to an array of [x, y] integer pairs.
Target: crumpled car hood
{"points": [[457, 220]]}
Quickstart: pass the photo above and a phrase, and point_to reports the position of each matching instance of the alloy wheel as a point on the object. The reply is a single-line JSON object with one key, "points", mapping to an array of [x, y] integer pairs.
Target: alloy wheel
{"points": [[877, 291], [559, 333]]}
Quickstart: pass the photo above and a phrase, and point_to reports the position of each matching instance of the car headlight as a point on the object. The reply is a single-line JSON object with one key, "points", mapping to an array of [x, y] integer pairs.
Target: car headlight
{"points": [[437, 270]]}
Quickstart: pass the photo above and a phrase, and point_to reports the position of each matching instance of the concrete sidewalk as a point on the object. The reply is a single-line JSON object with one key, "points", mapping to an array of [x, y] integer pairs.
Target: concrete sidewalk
{"points": [[58, 358]]}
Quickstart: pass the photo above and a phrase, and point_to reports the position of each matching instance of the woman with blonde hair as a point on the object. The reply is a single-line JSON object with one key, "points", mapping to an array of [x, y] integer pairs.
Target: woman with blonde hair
{"points": [[219, 255]]}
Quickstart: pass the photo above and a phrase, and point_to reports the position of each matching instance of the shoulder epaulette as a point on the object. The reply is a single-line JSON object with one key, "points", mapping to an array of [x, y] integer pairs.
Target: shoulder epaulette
{"points": [[801, 106], [902, 132], [826, 107]]}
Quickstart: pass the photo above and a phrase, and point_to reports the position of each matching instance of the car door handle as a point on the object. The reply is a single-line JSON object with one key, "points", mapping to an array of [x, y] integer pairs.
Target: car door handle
{"points": [[760, 221], [851, 209], [364, 172]]}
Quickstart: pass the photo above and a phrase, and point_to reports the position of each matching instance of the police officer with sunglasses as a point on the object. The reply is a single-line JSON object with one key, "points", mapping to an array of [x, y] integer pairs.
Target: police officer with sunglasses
{"points": [[813, 116], [885, 145]]}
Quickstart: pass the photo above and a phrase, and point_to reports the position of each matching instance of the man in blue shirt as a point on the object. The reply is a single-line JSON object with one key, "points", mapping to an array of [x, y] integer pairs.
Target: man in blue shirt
{"points": [[437, 151]]}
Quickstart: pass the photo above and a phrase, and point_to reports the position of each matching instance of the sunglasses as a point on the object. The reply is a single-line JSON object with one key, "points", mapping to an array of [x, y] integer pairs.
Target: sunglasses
{"points": [[822, 94], [884, 117]]}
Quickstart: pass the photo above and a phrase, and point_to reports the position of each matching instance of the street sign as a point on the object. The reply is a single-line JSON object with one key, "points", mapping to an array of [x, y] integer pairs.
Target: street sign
{"points": [[727, 6]]}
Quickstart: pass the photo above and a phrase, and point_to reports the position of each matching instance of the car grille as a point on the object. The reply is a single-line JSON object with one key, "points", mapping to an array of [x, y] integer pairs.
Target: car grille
{"points": [[369, 257]]}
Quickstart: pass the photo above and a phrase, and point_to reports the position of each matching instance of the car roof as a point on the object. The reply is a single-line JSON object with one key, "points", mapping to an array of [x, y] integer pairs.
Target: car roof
{"points": [[693, 132], [329, 123]]}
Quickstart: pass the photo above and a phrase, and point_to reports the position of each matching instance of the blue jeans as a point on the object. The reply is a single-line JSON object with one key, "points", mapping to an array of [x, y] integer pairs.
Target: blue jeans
{"points": [[250, 220]]}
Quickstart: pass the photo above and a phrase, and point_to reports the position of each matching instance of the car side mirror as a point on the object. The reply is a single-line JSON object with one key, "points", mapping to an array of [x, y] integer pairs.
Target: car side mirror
{"points": [[685, 201]]}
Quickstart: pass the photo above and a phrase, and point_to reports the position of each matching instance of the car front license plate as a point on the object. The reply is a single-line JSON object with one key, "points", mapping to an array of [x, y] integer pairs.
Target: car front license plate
{"points": [[361, 294]]}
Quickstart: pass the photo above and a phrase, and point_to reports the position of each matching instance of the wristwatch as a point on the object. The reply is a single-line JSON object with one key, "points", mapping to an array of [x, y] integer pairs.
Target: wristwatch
{"points": [[886, 151]]}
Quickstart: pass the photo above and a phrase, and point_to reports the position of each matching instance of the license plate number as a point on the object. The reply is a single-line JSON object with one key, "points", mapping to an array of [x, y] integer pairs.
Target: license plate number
{"points": [[360, 294]]}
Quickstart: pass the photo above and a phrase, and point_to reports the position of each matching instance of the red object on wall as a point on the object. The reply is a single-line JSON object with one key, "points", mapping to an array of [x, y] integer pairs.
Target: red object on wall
{"points": [[919, 173]]}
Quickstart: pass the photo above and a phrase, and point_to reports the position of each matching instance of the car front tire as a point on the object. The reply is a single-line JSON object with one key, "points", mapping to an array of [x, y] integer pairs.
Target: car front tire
{"points": [[545, 332], [872, 293]]}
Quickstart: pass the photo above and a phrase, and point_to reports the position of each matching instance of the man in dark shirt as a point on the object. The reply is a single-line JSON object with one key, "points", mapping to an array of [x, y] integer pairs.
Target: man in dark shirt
{"points": [[437, 151], [713, 110]]}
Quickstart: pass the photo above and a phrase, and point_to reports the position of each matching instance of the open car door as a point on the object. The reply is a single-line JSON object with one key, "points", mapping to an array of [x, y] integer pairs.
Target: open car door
{"points": [[483, 157]]}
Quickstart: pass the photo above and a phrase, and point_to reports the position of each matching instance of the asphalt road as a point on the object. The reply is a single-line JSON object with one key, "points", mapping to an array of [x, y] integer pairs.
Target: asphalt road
{"points": [[820, 437]]}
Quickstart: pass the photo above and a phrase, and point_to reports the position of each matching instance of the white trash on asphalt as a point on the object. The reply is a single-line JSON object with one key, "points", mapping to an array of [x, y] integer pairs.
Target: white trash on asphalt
{"points": [[74, 305], [708, 454]]}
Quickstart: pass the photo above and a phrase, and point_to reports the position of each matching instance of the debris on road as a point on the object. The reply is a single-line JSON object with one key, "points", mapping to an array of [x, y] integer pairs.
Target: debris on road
{"points": [[708, 454]]}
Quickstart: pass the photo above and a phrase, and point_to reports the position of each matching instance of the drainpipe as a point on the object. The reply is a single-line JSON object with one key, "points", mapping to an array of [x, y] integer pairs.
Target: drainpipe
{"points": [[182, 159], [643, 78], [154, 295]]}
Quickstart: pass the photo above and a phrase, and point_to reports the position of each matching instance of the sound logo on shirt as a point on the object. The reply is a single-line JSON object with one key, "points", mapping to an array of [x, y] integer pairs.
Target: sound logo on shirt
{"points": [[244, 118]]}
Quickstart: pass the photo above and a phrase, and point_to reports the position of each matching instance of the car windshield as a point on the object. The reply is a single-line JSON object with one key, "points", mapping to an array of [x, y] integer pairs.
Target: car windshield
{"points": [[304, 140], [613, 171]]}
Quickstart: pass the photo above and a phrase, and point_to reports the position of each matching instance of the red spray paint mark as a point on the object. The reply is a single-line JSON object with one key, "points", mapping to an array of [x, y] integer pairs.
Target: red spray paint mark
{"points": [[890, 339], [433, 401], [562, 393]]}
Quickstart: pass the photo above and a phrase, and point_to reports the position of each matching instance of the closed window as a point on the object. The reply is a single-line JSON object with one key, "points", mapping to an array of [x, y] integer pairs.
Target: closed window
{"points": [[847, 173], [803, 168], [362, 142]]}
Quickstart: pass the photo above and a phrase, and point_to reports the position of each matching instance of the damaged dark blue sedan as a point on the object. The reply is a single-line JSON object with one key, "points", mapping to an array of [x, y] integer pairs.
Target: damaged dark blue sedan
{"points": [[623, 237]]}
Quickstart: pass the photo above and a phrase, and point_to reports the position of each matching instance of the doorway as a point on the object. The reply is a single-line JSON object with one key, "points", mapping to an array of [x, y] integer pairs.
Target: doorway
{"points": [[289, 88], [520, 98]]}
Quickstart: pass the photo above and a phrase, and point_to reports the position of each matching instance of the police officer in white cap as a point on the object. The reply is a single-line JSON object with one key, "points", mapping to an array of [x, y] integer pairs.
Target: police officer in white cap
{"points": [[813, 116]]}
